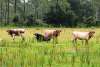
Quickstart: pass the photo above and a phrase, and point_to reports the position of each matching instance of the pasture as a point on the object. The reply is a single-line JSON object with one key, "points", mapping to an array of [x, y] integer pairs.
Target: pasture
{"points": [[30, 53]]}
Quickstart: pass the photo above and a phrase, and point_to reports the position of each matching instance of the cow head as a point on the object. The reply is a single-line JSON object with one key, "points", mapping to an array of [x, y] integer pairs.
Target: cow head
{"points": [[57, 33], [9, 32], [91, 33]]}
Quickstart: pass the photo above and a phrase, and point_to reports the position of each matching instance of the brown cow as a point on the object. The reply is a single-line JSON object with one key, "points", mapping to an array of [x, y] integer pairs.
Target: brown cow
{"points": [[41, 37], [52, 34], [16, 32]]}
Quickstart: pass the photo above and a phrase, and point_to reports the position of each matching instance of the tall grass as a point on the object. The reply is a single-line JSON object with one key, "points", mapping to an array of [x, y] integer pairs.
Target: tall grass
{"points": [[30, 53]]}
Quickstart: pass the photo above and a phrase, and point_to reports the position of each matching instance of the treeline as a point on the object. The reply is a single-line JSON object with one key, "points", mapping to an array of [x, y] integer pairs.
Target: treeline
{"points": [[68, 13]]}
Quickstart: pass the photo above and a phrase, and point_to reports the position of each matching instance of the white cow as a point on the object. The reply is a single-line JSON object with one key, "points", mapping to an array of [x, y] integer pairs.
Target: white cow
{"points": [[82, 35]]}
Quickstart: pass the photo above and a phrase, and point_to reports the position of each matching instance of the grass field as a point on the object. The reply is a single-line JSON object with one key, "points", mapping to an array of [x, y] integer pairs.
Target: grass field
{"points": [[30, 53]]}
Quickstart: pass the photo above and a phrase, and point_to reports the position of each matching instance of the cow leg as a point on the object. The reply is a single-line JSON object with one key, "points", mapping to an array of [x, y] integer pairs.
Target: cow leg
{"points": [[75, 44], [56, 40], [74, 41], [87, 45], [53, 40], [87, 52], [13, 36], [22, 37], [82, 42], [86, 42]]}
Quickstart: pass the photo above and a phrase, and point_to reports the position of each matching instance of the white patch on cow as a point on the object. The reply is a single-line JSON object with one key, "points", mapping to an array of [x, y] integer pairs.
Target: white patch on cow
{"points": [[18, 29], [81, 35]]}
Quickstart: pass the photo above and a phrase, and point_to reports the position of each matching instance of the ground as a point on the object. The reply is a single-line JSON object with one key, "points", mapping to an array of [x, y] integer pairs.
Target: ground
{"points": [[30, 53]]}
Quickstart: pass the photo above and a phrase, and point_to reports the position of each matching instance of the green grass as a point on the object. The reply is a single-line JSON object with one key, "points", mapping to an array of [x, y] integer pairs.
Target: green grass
{"points": [[30, 53]]}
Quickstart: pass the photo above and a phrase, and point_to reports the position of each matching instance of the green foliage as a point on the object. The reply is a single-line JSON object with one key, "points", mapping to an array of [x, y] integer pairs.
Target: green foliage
{"points": [[66, 13]]}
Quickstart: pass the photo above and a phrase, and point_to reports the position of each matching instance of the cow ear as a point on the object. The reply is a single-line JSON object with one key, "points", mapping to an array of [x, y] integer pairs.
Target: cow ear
{"points": [[59, 30], [56, 31], [91, 32], [7, 31], [34, 34]]}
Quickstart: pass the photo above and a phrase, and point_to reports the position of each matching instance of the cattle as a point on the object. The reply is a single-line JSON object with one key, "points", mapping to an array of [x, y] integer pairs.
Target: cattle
{"points": [[52, 34], [41, 37], [82, 36], [16, 32]]}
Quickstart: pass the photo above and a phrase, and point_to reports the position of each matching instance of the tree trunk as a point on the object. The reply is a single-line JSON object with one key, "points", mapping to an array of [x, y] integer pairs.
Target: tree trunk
{"points": [[24, 10], [1, 12], [15, 4], [8, 12]]}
